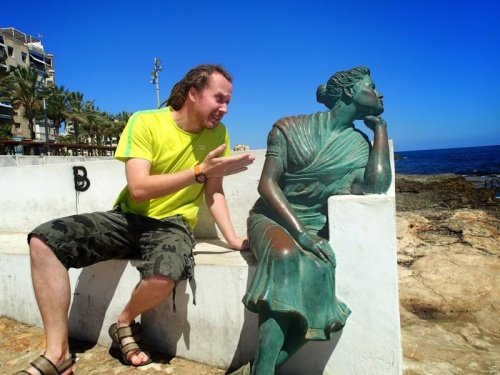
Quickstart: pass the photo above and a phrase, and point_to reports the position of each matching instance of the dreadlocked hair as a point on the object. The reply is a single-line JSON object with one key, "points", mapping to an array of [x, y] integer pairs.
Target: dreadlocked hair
{"points": [[196, 78]]}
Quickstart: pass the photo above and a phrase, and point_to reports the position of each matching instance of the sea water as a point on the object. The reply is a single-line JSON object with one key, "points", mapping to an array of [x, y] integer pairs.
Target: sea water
{"points": [[481, 165]]}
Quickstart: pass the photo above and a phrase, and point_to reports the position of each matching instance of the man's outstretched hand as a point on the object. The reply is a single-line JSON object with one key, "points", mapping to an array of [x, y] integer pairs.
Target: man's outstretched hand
{"points": [[220, 166]]}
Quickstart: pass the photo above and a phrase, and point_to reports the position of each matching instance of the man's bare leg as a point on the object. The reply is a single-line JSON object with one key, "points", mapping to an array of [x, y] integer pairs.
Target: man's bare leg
{"points": [[149, 293], [52, 291]]}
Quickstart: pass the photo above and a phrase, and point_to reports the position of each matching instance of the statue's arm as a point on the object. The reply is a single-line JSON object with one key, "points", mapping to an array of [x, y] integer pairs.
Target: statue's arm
{"points": [[276, 200], [377, 175], [272, 194]]}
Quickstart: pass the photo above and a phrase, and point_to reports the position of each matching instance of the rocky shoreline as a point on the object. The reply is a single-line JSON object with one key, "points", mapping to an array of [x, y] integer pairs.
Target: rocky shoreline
{"points": [[449, 275]]}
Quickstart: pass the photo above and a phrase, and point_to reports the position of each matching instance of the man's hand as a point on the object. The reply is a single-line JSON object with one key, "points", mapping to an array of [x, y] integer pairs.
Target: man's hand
{"points": [[239, 244], [220, 166]]}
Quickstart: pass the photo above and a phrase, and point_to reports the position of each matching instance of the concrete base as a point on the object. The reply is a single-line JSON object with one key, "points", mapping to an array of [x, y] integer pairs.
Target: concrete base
{"points": [[363, 236], [218, 330]]}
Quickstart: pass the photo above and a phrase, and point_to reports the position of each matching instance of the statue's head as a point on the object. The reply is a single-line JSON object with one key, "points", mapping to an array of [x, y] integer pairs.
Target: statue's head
{"points": [[339, 84]]}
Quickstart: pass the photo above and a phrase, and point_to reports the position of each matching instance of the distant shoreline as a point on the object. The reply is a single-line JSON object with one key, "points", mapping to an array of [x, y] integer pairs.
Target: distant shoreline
{"points": [[444, 149]]}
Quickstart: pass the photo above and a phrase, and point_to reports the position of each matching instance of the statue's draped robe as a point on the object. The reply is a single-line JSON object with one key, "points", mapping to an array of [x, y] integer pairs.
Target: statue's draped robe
{"points": [[318, 162]]}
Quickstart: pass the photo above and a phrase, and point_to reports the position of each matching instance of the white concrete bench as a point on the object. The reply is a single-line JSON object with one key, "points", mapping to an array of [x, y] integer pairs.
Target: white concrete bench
{"points": [[218, 330]]}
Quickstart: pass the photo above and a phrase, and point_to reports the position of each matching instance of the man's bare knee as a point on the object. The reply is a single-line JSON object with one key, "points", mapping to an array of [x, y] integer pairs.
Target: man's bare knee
{"points": [[157, 286], [41, 255], [38, 247], [158, 281]]}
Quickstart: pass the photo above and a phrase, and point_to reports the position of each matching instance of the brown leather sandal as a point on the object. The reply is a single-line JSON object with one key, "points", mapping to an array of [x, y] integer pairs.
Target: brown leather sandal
{"points": [[117, 334], [243, 370], [46, 367]]}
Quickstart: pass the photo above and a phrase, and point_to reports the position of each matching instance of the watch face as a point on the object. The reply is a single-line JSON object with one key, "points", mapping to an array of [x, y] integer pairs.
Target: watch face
{"points": [[201, 177]]}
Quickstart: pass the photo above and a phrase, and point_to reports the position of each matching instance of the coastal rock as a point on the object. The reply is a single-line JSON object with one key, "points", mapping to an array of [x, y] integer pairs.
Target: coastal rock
{"points": [[449, 275], [415, 192]]}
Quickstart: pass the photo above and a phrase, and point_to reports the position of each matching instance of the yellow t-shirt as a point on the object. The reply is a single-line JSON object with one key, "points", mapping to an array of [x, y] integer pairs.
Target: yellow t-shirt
{"points": [[154, 136]]}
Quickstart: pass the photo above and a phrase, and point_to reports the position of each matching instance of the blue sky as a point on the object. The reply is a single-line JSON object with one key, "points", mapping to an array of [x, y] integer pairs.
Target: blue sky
{"points": [[436, 62]]}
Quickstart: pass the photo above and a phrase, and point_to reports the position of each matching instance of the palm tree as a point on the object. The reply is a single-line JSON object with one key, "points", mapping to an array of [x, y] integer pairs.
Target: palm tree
{"points": [[57, 106], [110, 128], [96, 123], [75, 112], [5, 131], [3, 59], [121, 120], [89, 123], [22, 87], [104, 124]]}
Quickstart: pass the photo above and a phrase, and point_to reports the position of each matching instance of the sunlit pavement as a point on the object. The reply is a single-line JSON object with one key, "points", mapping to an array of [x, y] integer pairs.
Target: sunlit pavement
{"points": [[21, 343]]}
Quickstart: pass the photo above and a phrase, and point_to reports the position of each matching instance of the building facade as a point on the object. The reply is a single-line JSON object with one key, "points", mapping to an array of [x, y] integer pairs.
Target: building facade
{"points": [[18, 48]]}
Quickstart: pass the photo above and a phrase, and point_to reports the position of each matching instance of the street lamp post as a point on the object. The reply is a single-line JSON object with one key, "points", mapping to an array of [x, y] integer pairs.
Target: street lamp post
{"points": [[155, 81]]}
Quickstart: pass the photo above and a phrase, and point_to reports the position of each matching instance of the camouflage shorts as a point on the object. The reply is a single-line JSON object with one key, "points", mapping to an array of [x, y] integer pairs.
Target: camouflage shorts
{"points": [[165, 247]]}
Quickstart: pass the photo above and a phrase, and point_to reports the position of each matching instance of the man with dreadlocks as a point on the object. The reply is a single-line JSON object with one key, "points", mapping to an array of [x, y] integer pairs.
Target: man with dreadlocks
{"points": [[172, 157]]}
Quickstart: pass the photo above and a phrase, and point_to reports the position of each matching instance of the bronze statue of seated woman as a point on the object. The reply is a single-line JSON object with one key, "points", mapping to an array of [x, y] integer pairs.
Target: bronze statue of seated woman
{"points": [[308, 159]]}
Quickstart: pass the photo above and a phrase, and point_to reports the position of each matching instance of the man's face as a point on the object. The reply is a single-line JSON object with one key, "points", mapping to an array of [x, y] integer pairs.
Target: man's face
{"points": [[367, 99], [211, 104]]}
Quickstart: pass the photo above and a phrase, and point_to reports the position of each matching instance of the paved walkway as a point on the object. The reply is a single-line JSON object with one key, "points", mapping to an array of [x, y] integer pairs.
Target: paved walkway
{"points": [[21, 343]]}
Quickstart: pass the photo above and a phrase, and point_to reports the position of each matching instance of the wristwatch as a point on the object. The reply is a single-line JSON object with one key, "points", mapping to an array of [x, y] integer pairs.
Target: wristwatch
{"points": [[199, 176]]}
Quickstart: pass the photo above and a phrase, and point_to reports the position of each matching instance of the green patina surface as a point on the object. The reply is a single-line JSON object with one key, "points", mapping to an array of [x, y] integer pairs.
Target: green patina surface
{"points": [[309, 158]]}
